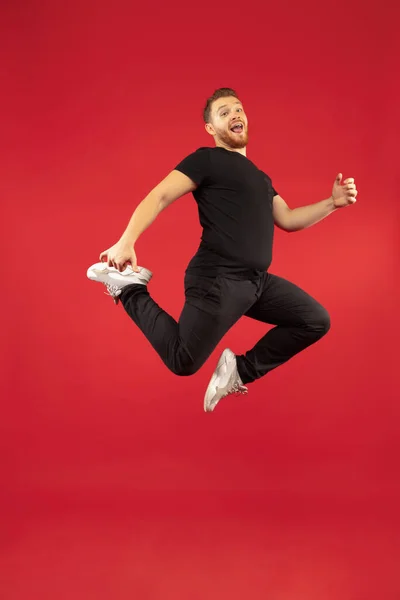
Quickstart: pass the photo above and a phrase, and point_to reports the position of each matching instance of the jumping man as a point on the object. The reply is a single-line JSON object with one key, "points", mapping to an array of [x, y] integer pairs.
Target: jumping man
{"points": [[229, 276]]}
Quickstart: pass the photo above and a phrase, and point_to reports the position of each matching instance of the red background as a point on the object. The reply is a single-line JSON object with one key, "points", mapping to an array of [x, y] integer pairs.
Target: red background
{"points": [[115, 482]]}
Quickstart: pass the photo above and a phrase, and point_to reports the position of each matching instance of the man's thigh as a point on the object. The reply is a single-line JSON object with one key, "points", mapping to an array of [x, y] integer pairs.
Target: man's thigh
{"points": [[284, 303]]}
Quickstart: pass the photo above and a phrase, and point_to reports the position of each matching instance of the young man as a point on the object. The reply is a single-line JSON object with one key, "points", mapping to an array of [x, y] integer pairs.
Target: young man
{"points": [[228, 277]]}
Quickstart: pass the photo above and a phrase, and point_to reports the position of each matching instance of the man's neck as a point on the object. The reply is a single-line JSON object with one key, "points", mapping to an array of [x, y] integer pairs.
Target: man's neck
{"points": [[239, 150]]}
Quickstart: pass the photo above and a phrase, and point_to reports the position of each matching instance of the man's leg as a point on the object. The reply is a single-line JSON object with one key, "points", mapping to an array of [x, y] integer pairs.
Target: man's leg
{"points": [[300, 321], [211, 308]]}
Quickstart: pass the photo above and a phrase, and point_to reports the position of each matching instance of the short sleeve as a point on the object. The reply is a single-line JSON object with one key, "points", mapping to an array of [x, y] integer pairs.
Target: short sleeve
{"points": [[270, 185], [196, 166]]}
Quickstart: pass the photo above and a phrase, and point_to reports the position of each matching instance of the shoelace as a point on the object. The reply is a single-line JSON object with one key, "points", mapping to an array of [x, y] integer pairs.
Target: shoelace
{"points": [[112, 290], [236, 389]]}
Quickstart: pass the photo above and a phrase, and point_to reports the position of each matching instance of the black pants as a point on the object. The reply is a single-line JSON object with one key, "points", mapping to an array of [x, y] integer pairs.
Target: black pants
{"points": [[214, 305]]}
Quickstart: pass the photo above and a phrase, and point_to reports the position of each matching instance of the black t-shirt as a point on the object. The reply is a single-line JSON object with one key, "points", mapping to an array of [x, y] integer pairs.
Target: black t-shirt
{"points": [[234, 199]]}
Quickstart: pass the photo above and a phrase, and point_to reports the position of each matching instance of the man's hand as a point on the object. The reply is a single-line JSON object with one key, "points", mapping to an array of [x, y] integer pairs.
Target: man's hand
{"points": [[346, 194], [120, 256]]}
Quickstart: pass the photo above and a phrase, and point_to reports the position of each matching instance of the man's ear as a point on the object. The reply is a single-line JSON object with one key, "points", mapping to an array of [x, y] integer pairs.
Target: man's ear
{"points": [[210, 129]]}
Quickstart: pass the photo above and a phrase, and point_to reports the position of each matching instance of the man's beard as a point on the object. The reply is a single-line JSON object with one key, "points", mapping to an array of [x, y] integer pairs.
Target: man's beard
{"points": [[233, 140]]}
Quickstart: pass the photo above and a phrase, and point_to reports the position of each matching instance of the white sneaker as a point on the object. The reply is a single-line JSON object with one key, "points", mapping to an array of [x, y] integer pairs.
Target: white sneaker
{"points": [[115, 280], [225, 381]]}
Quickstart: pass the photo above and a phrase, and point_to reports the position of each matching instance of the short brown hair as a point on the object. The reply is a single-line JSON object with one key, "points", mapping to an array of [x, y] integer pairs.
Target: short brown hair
{"points": [[220, 93]]}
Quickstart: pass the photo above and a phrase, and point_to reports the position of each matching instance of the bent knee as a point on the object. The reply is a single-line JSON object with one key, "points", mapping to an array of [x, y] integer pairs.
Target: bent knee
{"points": [[320, 324], [185, 370]]}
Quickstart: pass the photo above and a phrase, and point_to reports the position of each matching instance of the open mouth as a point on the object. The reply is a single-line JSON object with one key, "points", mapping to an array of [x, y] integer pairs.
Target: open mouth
{"points": [[237, 128]]}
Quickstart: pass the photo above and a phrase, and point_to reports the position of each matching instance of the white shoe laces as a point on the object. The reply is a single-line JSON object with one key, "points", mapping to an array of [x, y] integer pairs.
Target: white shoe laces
{"points": [[112, 290], [236, 389]]}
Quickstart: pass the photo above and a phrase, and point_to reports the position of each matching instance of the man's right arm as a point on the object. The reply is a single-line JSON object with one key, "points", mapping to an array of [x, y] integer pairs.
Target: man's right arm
{"points": [[174, 186]]}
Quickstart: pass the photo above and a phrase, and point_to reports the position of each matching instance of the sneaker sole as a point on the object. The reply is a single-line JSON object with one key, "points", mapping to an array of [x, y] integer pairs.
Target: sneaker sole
{"points": [[211, 392], [105, 274]]}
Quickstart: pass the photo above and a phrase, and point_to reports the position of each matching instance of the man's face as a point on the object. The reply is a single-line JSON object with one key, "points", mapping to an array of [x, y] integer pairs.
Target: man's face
{"points": [[228, 123]]}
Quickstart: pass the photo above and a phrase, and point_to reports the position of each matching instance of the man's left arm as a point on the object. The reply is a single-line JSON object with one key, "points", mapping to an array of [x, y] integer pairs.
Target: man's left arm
{"points": [[300, 218]]}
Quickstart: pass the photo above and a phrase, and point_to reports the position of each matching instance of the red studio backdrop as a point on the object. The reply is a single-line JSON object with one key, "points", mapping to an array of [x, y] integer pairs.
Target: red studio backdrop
{"points": [[115, 483]]}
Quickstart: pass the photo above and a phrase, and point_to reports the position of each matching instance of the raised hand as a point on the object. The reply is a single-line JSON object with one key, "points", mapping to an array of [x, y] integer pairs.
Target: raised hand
{"points": [[344, 194]]}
